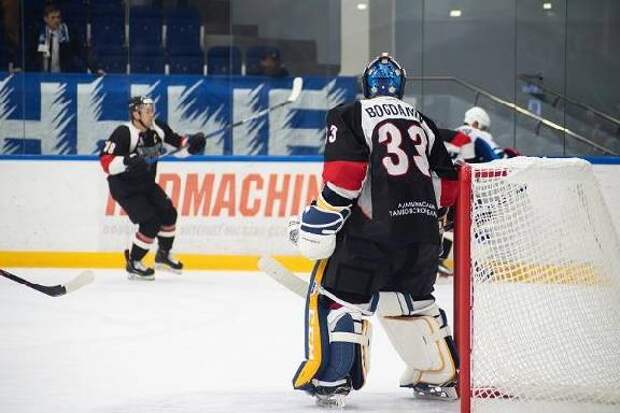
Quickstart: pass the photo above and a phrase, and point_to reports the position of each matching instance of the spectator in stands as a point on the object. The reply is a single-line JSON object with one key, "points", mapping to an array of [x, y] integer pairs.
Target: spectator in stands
{"points": [[9, 11], [271, 65], [57, 51]]}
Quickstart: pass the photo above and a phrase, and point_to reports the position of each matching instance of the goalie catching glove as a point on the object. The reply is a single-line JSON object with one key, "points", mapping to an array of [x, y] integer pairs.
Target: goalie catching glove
{"points": [[314, 231]]}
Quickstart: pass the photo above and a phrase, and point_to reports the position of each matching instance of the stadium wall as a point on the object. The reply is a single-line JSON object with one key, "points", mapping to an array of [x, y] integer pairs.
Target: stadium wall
{"points": [[58, 212]]}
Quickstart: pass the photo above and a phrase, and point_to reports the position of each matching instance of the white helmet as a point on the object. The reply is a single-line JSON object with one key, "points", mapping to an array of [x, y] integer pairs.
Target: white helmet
{"points": [[477, 114]]}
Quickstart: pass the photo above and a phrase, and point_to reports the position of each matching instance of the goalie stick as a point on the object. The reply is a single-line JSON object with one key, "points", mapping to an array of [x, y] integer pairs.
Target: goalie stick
{"points": [[282, 276], [84, 278], [298, 84], [293, 283]]}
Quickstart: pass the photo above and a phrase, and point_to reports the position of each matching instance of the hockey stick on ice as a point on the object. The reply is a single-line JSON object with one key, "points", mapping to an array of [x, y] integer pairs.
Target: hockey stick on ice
{"points": [[298, 84], [282, 276], [84, 278]]}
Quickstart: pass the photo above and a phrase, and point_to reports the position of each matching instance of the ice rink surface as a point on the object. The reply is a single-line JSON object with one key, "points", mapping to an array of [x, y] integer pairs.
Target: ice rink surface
{"points": [[199, 342]]}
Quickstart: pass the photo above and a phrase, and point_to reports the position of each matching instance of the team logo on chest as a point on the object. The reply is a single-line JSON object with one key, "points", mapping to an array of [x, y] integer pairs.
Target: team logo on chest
{"points": [[149, 145]]}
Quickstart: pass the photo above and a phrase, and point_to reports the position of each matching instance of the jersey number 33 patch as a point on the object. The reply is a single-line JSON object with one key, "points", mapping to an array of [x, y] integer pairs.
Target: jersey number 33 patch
{"points": [[404, 142]]}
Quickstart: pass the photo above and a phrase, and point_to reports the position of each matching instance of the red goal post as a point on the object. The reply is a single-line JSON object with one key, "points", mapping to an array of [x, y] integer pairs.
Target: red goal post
{"points": [[537, 289]]}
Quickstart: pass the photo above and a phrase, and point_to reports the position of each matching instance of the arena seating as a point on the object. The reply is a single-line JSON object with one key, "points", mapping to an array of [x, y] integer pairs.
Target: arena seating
{"points": [[224, 60], [146, 53], [183, 41], [156, 40], [108, 36]]}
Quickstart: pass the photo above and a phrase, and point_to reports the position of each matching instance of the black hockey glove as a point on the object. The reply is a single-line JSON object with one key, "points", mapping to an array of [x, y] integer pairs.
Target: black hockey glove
{"points": [[135, 162], [196, 143]]}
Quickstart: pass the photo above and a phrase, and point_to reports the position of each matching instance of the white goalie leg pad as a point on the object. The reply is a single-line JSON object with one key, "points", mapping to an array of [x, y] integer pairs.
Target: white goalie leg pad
{"points": [[393, 304], [418, 331]]}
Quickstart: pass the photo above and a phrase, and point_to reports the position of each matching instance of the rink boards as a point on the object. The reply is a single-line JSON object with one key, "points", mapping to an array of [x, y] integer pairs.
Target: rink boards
{"points": [[58, 213]]}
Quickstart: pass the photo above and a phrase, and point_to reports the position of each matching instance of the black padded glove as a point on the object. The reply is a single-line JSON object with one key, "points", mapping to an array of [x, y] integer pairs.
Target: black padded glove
{"points": [[135, 162], [196, 143]]}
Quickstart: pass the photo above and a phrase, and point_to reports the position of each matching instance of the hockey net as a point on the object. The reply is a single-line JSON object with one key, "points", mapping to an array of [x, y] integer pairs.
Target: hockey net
{"points": [[537, 289]]}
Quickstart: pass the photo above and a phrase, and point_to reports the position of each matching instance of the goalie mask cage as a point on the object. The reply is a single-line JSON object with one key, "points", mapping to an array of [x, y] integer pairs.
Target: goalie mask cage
{"points": [[537, 289]]}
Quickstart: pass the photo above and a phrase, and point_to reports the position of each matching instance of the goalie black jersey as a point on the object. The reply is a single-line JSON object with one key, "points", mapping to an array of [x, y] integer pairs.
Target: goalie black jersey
{"points": [[389, 158]]}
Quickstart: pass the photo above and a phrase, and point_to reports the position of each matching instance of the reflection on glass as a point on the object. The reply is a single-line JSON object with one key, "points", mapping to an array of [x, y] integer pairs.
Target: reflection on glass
{"points": [[536, 55]]}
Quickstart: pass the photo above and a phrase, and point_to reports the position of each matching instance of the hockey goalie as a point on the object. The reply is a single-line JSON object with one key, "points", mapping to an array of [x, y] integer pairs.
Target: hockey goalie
{"points": [[373, 232]]}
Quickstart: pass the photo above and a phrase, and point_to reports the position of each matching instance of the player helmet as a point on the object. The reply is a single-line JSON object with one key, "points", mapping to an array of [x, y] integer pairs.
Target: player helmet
{"points": [[136, 103], [477, 114], [384, 77]]}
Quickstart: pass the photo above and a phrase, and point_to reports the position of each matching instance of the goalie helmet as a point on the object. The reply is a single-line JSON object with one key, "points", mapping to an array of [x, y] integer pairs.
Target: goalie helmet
{"points": [[384, 77], [477, 114]]}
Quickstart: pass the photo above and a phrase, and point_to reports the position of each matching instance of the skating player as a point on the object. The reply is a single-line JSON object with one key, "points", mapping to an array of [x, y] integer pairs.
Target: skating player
{"points": [[472, 142], [129, 158]]}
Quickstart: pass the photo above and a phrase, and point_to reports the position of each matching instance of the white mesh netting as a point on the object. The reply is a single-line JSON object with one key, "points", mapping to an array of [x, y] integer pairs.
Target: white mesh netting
{"points": [[546, 289]]}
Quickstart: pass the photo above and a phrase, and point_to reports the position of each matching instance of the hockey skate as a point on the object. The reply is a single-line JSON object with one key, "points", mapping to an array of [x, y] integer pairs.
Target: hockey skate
{"points": [[138, 271], [332, 397], [166, 262], [427, 391]]}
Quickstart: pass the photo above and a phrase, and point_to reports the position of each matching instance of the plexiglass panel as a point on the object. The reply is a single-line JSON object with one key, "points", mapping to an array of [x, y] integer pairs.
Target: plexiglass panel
{"points": [[68, 68]]}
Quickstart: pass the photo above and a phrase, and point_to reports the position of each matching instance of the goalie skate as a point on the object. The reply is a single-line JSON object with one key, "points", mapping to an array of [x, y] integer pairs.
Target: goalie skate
{"points": [[427, 391], [332, 397]]}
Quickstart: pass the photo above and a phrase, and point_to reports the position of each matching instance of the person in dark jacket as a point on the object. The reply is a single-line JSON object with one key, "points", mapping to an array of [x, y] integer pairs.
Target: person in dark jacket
{"points": [[58, 50]]}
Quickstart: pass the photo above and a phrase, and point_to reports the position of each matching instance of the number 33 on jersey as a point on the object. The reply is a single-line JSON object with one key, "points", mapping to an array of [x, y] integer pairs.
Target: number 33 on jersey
{"points": [[390, 158]]}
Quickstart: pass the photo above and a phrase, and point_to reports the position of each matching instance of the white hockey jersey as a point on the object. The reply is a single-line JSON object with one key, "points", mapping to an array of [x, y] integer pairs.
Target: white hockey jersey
{"points": [[475, 134]]}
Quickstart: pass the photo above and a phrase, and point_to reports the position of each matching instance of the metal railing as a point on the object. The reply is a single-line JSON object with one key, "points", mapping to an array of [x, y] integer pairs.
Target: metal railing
{"points": [[481, 92], [531, 79]]}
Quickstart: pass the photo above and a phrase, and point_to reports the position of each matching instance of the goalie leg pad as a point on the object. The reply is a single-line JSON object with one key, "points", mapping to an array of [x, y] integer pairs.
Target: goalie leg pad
{"points": [[349, 340], [423, 341], [361, 363], [337, 343], [316, 335], [341, 349], [349, 346]]}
